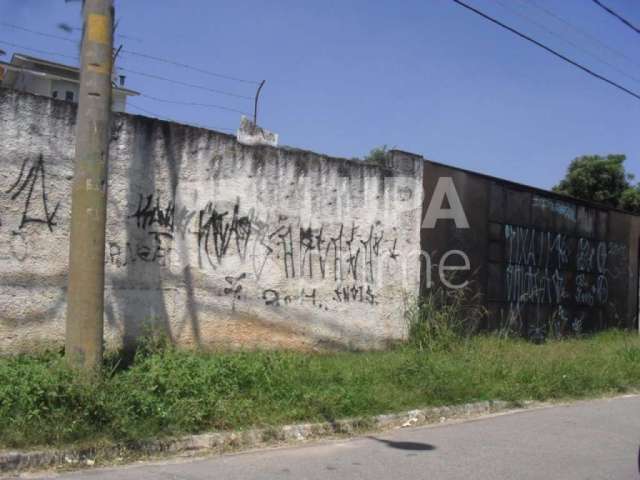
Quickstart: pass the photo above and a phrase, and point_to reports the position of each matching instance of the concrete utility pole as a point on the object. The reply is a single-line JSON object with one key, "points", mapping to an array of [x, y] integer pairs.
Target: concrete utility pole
{"points": [[85, 296]]}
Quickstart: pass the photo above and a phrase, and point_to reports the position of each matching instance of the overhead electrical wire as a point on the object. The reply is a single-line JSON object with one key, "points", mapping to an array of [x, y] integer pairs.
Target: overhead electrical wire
{"points": [[139, 55], [186, 66], [36, 32], [69, 28], [581, 31], [37, 50], [135, 72], [144, 95], [548, 49], [193, 104], [160, 117], [148, 75], [143, 109], [185, 84], [573, 44], [618, 16]]}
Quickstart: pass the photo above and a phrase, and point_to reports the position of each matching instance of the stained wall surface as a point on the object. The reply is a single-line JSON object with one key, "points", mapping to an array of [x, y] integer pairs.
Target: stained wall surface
{"points": [[541, 263], [226, 245], [218, 243]]}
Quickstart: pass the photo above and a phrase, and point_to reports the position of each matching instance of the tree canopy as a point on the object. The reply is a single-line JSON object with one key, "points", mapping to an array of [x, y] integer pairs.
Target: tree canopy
{"points": [[378, 155], [603, 180]]}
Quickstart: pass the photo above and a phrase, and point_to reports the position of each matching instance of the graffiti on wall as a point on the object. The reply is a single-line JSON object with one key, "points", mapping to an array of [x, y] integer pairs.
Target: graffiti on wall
{"points": [[567, 273], [274, 259], [324, 264], [27, 194], [30, 190]]}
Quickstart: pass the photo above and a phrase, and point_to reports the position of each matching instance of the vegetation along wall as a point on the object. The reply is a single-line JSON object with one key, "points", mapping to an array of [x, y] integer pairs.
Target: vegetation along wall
{"points": [[218, 243]]}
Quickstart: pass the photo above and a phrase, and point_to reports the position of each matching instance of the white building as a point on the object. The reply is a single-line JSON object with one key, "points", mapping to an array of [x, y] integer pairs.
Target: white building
{"points": [[51, 79]]}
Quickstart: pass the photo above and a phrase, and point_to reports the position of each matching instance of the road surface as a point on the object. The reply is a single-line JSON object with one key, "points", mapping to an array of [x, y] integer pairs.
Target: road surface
{"points": [[586, 440]]}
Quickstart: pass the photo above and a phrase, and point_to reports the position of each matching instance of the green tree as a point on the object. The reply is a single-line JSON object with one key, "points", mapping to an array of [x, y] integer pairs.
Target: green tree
{"points": [[601, 179], [378, 155], [630, 200]]}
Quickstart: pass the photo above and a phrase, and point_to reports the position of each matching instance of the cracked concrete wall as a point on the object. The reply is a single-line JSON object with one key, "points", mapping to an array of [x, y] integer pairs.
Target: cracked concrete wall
{"points": [[217, 243]]}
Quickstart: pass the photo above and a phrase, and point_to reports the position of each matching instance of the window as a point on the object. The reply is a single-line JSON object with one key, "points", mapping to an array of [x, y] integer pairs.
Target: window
{"points": [[55, 94], [68, 96]]}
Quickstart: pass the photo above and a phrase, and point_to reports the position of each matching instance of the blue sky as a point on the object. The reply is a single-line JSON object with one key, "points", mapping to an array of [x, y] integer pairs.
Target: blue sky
{"points": [[425, 76]]}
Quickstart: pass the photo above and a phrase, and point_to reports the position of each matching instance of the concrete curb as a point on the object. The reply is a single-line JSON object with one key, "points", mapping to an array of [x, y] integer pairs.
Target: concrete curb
{"points": [[15, 462]]}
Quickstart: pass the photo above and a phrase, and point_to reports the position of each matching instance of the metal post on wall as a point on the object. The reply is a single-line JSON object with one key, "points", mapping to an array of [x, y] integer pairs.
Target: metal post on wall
{"points": [[255, 105]]}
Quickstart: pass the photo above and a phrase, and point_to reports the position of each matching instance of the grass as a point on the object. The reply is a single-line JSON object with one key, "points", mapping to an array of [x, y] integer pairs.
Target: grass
{"points": [[167, 392]]}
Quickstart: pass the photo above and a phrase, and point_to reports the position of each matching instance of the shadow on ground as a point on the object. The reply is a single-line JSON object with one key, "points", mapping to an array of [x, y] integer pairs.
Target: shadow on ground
{"points": [[417, 446]]}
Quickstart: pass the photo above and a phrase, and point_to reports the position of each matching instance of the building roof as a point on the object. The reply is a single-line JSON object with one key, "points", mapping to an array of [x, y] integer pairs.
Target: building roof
{"points": [[46, 68]]}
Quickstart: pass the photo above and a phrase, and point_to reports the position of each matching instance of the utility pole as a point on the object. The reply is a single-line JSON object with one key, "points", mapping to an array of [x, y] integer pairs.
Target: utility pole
{"points": [[85, 295]]}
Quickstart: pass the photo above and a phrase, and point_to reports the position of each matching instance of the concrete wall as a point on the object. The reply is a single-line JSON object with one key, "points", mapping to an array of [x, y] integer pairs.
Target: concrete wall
{"points": [[223, 244], [218, 243], [542, 263]]}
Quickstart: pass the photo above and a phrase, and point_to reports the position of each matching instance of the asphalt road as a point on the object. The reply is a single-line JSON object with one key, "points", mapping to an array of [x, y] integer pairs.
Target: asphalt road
{"points": [[587, 440]]}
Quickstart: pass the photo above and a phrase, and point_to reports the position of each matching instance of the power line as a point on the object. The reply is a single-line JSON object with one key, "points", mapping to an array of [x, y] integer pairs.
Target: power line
{"points": [[185, 84], [157, 99], [619, 17], [193, 104], [137, 54], [548, 49], [69, 28], [37, 50], [574, 45], [581, 31], [189, 67], [160, 117], [131, 104], [59, 37], [157, 77], [42, 34]]}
